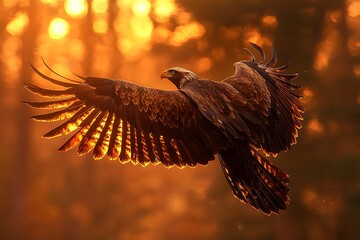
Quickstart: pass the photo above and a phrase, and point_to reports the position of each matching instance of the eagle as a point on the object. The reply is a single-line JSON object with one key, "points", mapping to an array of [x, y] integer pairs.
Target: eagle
{"points": [[255, 110]]}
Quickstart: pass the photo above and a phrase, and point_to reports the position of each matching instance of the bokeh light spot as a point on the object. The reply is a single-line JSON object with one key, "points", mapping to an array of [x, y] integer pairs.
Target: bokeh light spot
{"points": [[52, 3], [58, 28], [76, 8], [17, 25], [142, 27], [100, 26], [252, 34], [357, 70], [354, 9], [308, 92], [203, 64], [163, 9], [315, 126], [124, 45], [141, 8], [269, 21], [310, 198], [184, 33], [100, 6]]}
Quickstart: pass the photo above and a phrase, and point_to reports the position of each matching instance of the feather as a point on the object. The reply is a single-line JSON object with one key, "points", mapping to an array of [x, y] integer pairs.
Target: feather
{"points": [[102, 143], [273, 59], [47, 66], [51, 104], [149, 147], [125, 138], [253, 59], [260, 51], [59, 115], [115, 139], [52, 80], [89, 140], [140, 150], [160, 151], [48, 93], [70, 125]]}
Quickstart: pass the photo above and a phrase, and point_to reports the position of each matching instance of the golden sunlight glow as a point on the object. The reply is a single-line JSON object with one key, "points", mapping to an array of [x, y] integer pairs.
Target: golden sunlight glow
{"points": [[183, 18], [17, 25], [328, 45], [321, 61], [253, 35], [124, 45], [141, 8], [100, 6], [142, 27], [124, 3], [140, 23], [58, 28], [163, 9], [184, 33], [9, 3], [76, 8], [49, 2], [161, 34], [100, 26], [269, 21], [12, 62], [77, 48], [354, 9]]}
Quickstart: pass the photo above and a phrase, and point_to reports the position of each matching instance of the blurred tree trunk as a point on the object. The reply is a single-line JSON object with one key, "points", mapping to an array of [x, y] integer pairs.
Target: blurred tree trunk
{"points": [[80, 180], [115, 56], [21, 155]]}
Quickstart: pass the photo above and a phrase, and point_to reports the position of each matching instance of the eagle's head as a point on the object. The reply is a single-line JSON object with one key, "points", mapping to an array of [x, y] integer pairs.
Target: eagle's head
{"points": [[178, 76]]}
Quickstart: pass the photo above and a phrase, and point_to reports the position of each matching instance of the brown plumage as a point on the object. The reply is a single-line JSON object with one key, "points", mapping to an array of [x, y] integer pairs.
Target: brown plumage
{"points": [[255, 109]]}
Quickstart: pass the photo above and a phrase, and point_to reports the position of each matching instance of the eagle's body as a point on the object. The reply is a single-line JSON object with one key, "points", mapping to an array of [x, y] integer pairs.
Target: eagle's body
{"points": [[253, 109]]}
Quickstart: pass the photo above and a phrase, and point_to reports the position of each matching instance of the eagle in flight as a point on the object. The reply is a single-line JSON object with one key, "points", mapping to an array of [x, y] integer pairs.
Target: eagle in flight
{"points": [[256, 109]]}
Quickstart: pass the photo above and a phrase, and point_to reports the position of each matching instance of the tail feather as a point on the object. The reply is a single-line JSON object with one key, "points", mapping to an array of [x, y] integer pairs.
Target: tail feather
{"points": [[254, 180]]}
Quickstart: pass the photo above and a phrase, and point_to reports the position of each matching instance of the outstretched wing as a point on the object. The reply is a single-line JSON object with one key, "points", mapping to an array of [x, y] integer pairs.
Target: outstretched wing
{"points": [[125, 121], [284, 111]]}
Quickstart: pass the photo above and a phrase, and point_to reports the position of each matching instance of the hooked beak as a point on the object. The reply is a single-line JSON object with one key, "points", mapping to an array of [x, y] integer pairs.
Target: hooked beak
{"points": [[165, 74]]}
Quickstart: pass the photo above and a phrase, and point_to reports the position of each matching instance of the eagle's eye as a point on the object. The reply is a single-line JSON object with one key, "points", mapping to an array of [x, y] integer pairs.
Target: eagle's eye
{"points": [[172, 72]]}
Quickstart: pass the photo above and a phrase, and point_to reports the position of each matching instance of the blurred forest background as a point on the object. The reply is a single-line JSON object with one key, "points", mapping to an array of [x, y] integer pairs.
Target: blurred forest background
{"points": [[51, 195]]}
